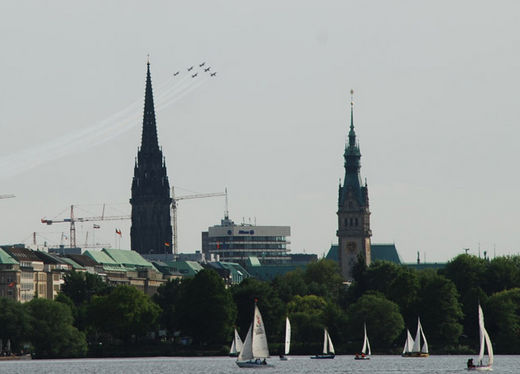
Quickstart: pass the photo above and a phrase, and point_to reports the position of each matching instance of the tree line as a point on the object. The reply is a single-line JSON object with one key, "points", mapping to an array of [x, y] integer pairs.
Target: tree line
{"points": [[197, 315]]}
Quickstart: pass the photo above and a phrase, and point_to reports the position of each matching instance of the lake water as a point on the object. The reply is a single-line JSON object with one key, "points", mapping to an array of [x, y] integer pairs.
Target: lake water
{"points": [[225, 365]]}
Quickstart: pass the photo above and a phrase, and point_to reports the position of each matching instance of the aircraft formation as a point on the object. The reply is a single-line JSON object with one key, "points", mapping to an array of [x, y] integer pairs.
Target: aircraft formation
{"points": [[195, 73]]}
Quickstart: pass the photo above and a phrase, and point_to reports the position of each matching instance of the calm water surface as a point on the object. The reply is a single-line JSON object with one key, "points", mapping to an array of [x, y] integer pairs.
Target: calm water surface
{"points": [[224, 365]]}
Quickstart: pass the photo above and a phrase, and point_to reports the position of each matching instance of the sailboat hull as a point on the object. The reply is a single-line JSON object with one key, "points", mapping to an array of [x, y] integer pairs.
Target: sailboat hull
{"points": [[481, 368], [253, 364], [321, 357], [361, 358], [415, 354]]}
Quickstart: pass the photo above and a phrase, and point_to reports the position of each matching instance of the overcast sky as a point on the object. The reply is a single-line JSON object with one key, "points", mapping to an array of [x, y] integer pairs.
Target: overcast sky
{"points": [[436, 114]]}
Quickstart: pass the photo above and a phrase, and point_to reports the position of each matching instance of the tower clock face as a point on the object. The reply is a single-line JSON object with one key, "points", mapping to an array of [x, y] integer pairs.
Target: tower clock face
{"points": [[351, 247]]}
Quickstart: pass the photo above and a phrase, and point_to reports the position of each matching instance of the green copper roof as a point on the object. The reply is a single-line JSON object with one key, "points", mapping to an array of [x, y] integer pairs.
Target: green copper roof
{"points": [[6, 258], [185, 268], [72, 263], [127, 258], [101, 257], [381, 252]]}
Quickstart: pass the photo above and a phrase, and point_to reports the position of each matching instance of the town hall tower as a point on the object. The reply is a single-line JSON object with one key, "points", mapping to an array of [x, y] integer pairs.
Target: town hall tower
{"points": [[353, 209]]}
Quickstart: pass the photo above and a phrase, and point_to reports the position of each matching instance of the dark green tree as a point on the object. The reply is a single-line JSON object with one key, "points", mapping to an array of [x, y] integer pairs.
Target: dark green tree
{"points": [[382, 316], [51, 331], [14, 323], [290, 284], [80, 287], [323, 278], [272, 308], [125, 313], [502, 318], [169, 298], [439, 309], [206, 310]]}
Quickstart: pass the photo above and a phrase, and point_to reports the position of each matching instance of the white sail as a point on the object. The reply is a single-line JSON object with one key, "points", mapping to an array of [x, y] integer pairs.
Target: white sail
{"points": [[408, 344], [238, 341], [424, 348], [485, 341], [366, 343], [325, 341], [247, 349], [233, 349], [331, 347], [259, 338], [287, 335], [417, 341]]}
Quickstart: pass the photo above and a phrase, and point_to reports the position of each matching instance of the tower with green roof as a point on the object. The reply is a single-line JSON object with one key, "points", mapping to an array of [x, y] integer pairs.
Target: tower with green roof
{"points": [[353, 209]]}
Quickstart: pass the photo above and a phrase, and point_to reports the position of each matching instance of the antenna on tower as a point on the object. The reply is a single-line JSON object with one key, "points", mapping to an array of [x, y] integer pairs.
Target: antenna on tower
{"points": [[226, 212]]}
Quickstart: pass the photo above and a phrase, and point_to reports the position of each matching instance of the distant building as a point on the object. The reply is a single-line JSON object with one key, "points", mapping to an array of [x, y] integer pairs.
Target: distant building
{"points": [[151, 230], [235, 243], [353, 210], [379, 252]]}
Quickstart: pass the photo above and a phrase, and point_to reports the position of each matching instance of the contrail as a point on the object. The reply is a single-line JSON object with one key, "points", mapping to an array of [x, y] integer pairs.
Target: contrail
{"points": [[99, 133]]}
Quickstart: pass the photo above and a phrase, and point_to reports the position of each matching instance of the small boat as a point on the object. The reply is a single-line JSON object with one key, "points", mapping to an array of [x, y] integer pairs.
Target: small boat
{"points": [[255, 350], [328, 348], [287, 340], [236, 346], [365, 351], [485, 344], [413, 348]]}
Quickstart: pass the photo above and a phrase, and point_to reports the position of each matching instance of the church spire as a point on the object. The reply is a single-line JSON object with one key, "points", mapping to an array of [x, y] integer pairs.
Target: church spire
{"points": [[352, 133], [149, 141]]}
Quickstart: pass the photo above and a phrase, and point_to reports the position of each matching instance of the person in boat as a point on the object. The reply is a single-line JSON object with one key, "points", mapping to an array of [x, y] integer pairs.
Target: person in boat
{"points": [[264, 362], [357, 355], [470, 363], [362, 355]]}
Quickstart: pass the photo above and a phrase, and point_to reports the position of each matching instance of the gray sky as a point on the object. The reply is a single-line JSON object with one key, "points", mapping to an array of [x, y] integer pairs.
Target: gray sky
{"points": [[436, 112]]}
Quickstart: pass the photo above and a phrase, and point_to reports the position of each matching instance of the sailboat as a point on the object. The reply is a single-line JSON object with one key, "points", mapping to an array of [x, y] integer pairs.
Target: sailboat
{"points": [[485, 344], [412, 347], [255, 350], [236, 346], [365, 351], [328, 348], [287, 339]]}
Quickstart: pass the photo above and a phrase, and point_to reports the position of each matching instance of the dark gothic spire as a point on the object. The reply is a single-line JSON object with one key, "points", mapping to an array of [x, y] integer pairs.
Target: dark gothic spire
{"points": [[149, 141], [351, 133]]}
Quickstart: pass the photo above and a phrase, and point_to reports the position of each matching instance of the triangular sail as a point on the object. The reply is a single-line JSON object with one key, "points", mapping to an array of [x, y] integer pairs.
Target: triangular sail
{"points": [[325, 341], [331, 347], [233, 349], [485, 341], [417, 342], [247, 349], [366, 343], [424, 348], [408, 344], [238, 341], [259, 338], [287, 335]]}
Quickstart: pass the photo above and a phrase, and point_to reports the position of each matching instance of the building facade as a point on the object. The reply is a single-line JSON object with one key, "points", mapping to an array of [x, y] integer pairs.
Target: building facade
{"points": [[151, 230], [353, 210], [235, 243]]}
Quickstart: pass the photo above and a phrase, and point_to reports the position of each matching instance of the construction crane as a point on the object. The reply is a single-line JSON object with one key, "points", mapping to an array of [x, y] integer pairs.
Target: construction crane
{"points": [[8, 196], [174, 212], [72, 220]]}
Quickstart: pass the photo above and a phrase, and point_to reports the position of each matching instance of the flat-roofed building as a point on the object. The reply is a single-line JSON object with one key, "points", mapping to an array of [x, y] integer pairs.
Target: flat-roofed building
{"points": [[236, 242]]}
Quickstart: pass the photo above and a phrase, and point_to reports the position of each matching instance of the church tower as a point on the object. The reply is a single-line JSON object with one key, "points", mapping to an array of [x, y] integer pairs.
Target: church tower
{"points": [[353, 211], [151, 230]]}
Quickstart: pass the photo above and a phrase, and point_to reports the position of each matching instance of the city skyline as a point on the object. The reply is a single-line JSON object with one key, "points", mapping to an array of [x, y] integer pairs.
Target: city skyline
{"points": [[435, 114]]}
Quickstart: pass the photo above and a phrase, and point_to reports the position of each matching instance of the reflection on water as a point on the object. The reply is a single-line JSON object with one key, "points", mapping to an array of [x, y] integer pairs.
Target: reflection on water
{"points": [[225, 365]]}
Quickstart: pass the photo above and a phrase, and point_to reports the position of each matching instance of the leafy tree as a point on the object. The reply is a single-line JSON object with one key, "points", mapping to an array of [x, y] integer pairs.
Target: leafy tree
{"points": [[14, 323], [439, 308], [323, 278], [384, 322], [502, 273], [124, 313], [502, 318], [207, 311], [272, 309], [290, 284], [80, 287], [52, 333], [169, 298]]}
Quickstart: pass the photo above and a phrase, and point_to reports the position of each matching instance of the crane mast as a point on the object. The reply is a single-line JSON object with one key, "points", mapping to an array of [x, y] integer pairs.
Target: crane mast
{"points": [[175, 199]]}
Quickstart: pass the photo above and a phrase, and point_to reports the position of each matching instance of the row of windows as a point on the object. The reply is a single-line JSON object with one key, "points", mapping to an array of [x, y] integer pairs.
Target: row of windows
{"points": [[352, 222], [248, 238], [214, 246], [258, 254]]}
